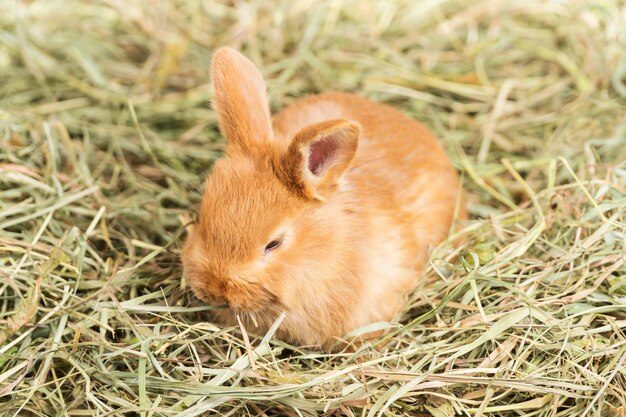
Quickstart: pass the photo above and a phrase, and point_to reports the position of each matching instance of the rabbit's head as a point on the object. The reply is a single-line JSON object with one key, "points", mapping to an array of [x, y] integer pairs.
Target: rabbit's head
{"points": [[262, 220]]}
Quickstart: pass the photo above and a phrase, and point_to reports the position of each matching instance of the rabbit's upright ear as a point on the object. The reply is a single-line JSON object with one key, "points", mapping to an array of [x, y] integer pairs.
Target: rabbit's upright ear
{"points": [[240, 99], [318, 157]]}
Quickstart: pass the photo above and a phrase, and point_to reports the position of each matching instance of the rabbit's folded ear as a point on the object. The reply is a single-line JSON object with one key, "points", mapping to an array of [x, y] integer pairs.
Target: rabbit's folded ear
{"points": [[318, 157], [240, 99]]}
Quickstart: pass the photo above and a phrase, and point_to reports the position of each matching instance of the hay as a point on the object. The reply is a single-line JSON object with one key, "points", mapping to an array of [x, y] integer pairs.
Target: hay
{"points": [[105, 133]]}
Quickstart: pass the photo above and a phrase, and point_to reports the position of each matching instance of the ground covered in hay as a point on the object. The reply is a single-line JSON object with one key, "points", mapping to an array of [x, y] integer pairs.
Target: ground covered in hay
{"points": [[105, 134]]}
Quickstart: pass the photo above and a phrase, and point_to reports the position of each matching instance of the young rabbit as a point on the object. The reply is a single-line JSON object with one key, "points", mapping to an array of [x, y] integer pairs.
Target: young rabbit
{"points": [[327, 212]]}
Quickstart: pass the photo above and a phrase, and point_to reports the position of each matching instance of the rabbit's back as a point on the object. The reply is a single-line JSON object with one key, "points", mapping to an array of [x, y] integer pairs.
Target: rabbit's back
{"points": [[399, 169]]}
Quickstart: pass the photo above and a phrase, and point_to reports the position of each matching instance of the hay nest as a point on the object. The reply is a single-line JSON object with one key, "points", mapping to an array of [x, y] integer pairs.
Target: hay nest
{"points": [[105, 134]]}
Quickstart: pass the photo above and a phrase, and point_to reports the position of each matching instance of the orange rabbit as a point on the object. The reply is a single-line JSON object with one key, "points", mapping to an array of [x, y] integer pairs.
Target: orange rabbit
{"points": [[327, 212]]}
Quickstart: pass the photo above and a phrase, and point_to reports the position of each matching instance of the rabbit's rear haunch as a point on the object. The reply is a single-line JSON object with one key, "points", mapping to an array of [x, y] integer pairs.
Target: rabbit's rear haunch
{"points": [[327, 212]]}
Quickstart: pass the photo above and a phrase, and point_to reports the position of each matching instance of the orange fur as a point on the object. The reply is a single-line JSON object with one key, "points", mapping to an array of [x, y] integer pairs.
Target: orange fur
{"points": [[357, 191]]}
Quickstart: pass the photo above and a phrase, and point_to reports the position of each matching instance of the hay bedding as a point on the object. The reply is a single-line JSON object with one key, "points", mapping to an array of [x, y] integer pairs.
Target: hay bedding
{"points": [[105, 131]]}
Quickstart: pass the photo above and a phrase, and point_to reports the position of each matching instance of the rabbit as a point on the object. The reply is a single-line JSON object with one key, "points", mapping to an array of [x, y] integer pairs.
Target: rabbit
{"points": [[326, 212]]}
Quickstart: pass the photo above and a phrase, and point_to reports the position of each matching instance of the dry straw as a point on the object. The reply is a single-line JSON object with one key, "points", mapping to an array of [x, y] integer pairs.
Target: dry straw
{"points": [[105, 133]]}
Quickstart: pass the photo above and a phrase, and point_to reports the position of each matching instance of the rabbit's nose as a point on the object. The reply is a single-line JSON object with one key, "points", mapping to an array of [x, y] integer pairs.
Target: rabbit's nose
{"points": [[221, 300], [215, 299]]}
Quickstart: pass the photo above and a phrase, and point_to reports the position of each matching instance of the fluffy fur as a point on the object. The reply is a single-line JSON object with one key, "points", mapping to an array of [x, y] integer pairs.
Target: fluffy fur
{"points": [[355, 191]]}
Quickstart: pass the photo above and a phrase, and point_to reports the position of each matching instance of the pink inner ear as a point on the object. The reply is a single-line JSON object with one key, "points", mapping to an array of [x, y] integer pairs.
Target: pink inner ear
{"points": [[321, 152]]}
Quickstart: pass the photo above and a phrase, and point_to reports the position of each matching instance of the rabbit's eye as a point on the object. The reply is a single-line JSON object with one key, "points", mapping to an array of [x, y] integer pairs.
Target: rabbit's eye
{"points": [[272, 245]]}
